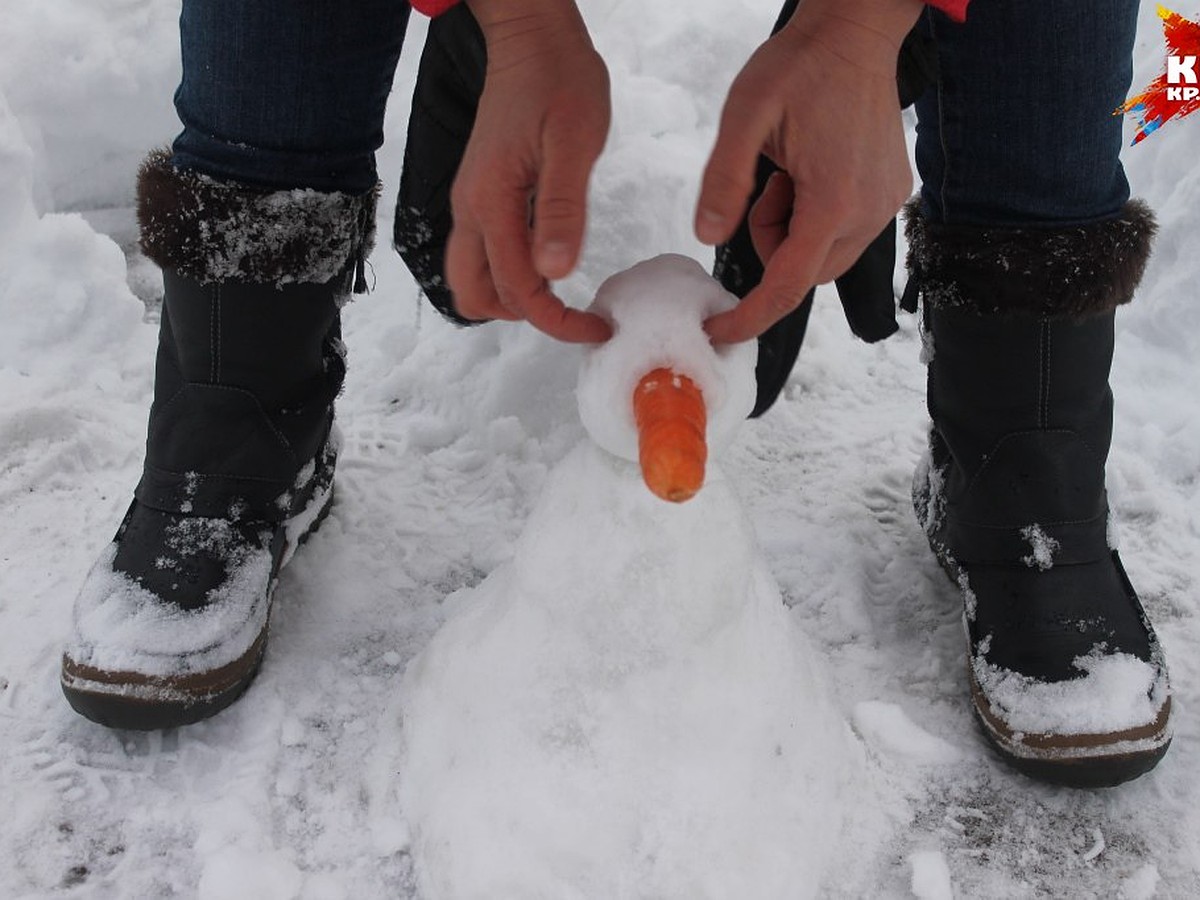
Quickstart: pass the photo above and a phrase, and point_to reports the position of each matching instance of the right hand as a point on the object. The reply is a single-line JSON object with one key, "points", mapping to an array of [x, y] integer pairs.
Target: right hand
{"points": [[541, 124]]}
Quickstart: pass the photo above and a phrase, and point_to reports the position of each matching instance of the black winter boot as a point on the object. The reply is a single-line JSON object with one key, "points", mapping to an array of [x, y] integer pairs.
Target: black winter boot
{"points": [[1066, 675], [171, 623]]}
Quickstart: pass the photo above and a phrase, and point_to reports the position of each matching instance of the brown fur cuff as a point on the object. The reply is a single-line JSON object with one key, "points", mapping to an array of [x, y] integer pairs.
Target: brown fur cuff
{"points": [[1056, 272], [214, 230]]}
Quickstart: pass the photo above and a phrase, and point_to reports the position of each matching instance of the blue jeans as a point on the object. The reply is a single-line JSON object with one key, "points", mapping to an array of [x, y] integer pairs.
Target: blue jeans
{"points": [[287, 93], [1020, 130]]}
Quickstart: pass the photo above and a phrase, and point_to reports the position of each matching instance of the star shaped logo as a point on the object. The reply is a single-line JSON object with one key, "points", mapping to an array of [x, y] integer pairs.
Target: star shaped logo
{"points": [[1176, 92]]}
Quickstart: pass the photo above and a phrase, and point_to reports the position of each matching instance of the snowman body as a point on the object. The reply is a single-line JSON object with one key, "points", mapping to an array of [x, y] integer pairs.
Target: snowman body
{"points": [[627, 709]]}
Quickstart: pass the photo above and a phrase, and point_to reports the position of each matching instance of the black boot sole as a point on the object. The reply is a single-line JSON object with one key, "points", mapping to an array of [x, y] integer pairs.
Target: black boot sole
{"points": [[115, 700], [137, 702]]}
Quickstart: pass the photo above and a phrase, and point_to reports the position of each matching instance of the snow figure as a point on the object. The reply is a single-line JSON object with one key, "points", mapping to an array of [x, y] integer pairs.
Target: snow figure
{"points": [[627, 709]]}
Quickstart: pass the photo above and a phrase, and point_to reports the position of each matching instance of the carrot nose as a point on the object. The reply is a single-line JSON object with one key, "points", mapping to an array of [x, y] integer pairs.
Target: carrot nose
{"points": [[671, 420]]}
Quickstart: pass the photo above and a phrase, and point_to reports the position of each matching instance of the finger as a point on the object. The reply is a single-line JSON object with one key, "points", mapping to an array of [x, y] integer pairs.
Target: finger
{"points": [[729, 176], [523, 291], [844, 253], [469, 278], [560, 203], [770, 216], [504, 228], [793, 270]]}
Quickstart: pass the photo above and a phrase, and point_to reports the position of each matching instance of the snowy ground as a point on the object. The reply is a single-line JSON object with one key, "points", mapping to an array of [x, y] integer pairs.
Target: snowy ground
{"points": [[450, 437]]}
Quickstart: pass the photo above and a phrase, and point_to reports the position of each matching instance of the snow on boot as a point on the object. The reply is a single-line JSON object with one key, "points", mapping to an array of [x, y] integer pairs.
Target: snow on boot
{"points": [[171, 623], [1066, 675]]}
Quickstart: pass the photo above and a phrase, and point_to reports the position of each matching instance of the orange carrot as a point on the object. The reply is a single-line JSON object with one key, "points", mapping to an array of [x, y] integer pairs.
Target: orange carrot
{"points": [[671, 420]]}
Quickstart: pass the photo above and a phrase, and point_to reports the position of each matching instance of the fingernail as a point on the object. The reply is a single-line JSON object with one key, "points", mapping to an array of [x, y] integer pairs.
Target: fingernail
{"points": [[554, 259], [710, 226]]}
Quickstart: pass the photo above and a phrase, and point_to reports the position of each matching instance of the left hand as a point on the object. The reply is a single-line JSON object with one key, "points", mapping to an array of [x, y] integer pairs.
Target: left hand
{"points": [[820, 100]]}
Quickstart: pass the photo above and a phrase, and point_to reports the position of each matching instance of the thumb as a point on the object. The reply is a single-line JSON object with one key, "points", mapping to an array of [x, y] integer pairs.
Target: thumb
{"points": [[729, 176], [560, 206]]}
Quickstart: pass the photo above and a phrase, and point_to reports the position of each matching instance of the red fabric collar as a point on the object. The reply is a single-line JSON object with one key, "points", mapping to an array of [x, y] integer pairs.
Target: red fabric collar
{"points": [[955, 9], [432, 8]]}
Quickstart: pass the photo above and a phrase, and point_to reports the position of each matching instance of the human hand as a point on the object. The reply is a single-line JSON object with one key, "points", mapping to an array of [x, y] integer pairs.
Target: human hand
{"points": [[542, 122], [819, 99]]}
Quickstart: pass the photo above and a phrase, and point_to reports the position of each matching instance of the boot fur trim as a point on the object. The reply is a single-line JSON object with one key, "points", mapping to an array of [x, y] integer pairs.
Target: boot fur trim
{"points": [[1055, 272], [213, 230]]}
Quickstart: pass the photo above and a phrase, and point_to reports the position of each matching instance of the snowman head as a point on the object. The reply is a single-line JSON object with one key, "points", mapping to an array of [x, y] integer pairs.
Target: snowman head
{"points": [[657, 309]]}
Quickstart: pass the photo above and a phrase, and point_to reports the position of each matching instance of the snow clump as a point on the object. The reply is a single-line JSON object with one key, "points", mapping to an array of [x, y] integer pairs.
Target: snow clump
{"points": [[1114, 692]]}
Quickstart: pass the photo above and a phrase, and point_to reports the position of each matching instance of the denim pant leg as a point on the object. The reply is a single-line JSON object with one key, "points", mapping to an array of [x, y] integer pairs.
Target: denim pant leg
{"points": [[287, 93], [1020, 130]]}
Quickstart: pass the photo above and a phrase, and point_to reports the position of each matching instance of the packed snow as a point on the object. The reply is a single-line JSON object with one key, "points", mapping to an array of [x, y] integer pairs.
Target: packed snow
{"points": [[627, 708], [471, 511], [642, 718]]}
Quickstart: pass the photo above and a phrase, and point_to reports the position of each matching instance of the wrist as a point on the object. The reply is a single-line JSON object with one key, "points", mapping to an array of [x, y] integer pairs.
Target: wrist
{"points": [[503, 21], [866, 32]]}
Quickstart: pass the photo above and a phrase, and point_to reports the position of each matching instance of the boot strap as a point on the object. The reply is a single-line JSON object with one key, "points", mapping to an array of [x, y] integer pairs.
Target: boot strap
{"points": [[1037, 545]]}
